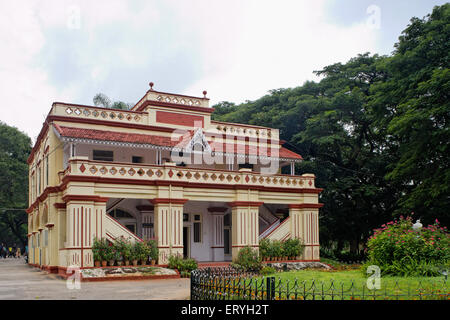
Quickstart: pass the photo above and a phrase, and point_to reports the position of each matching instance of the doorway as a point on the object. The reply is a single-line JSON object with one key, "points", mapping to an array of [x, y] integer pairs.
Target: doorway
{"points": [[186, 244]]}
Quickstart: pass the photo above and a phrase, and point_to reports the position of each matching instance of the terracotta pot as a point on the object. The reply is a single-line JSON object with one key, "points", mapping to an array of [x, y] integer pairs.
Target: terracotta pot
{"points": [[291, 258], [135, 263], [111, 263], [153, 262], [97, 264], [143, 262], [127, 263], [119, 263], [104, 263]]}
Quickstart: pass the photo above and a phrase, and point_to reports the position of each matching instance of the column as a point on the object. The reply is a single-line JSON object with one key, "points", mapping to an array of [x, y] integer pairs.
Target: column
{"points": [[84, 222], [168, 227], [217, 214], [245, 226], [305, 226]]}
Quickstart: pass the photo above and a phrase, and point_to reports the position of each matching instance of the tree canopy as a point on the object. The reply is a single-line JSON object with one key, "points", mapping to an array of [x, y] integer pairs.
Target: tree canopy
{"points": [[374, 130], [15, 148]]}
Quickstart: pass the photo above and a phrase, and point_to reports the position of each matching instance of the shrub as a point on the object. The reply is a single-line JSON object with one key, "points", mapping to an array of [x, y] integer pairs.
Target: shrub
{"points": [[124, 248], [181, 264], [399, 250], [292, 247], [267, 270], [153, 249], [264, 248], [248, 260], [276, 249], [141, 251], [100, 248]]}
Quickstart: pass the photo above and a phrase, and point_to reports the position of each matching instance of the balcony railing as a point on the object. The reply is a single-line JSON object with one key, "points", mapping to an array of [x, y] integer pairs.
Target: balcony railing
{"points": [[95, 113], [83, 167]]}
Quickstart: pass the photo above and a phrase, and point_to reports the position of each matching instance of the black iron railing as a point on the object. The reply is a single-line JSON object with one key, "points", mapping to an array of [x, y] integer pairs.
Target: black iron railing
{"points": [[230, 284]]}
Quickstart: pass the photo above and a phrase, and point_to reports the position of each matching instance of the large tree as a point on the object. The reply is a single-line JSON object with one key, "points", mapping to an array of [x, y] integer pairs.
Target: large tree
{"points": [[374, 130], [15, 147]]}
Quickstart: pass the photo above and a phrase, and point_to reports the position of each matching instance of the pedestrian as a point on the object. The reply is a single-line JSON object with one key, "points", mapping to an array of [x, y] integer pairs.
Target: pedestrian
{"points": [[10, 252], [1, 250], [18, 252], [4, 252]]}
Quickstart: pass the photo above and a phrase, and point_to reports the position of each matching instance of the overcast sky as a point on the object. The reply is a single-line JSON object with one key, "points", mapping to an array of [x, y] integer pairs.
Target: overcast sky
{"points": [[236, 50]]}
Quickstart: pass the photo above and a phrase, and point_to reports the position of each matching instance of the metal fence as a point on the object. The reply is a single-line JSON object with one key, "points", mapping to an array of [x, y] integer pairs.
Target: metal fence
{"points": [[230, 284]]}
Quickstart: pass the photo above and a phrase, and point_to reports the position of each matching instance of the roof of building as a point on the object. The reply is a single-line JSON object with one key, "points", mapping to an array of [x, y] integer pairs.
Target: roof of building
{"points": [[182, 141]]}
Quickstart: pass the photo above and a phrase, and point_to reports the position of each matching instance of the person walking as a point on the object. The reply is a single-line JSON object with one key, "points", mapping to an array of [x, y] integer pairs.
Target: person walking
{"points": [[1, 250], [18, 253]]}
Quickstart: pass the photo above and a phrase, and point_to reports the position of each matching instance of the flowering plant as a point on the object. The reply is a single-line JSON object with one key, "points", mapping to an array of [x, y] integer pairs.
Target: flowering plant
{"points": [[395, 247]]}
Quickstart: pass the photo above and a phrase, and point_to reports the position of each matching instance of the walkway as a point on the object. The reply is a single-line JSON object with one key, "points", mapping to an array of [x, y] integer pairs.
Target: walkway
{"points": [[19, 281]]}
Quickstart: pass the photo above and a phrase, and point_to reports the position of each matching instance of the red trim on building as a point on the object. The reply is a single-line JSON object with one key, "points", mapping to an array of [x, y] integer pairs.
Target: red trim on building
{"points": [[245, 204], [168, 200], [68, 198], [306, 206], [179, 119]]}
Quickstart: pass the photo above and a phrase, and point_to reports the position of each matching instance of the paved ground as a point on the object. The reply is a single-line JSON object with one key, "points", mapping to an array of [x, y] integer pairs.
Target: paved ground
{"points": [[19, 281]]}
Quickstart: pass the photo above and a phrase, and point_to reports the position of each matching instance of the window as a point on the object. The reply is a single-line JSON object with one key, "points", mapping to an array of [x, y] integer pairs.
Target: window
{"points": [[185, 217], [137, 159], [246, 166], [46, 170], [118, 213], [197, 228], [39, 181], [103, 155]]}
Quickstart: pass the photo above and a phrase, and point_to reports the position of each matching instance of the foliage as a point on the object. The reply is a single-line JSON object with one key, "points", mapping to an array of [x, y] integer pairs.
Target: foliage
{"points": [[124, 247], [264, 248], [399, 250], [15, 147], [101, 99], [153, 249], [248, 260], [181, 264], [292, 247], [141, 251], [101, 250], [276, 248], [374, 131], [267, 270]]}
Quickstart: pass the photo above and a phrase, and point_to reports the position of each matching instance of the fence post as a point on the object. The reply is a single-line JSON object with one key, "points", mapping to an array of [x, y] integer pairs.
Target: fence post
{"points": [[270, 288]]}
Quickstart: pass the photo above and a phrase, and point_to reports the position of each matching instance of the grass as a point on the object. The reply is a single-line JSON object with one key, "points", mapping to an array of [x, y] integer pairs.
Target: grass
{"points": [[345, 282], [349, 282]]}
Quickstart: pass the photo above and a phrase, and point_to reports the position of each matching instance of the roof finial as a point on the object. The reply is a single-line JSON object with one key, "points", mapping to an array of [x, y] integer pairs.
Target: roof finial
{"points": [[151, 85], [204, 93]]}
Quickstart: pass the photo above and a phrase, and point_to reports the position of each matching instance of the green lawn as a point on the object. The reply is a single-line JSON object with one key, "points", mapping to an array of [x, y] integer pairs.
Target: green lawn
{"points": [[352, 284]]}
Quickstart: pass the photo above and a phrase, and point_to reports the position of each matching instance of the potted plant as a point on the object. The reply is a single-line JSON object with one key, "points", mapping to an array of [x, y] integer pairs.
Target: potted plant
{"points": [[134, 256], [124, 248], [277, 250], [264, 248], [110, 255], [154, 251], [117, 245], [96, 252]]}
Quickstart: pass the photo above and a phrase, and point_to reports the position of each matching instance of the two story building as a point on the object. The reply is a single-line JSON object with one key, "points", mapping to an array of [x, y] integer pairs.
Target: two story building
{"points": [[163, 170]]}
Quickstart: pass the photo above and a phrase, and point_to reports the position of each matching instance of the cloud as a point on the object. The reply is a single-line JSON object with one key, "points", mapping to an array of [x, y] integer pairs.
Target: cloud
{"points": [[237, 50], [272, 45]]}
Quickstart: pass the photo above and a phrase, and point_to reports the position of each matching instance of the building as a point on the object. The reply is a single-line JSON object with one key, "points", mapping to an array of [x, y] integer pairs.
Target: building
{"points": [[162, 170]]}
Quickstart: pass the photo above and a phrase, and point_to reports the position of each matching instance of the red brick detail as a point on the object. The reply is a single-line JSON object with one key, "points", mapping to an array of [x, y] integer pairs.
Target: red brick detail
{"points": [[306, 206], [178, 118], [245, 204]]}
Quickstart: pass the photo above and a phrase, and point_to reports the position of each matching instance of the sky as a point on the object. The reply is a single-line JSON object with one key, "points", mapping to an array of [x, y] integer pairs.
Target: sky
{"points": [[237, 50]]}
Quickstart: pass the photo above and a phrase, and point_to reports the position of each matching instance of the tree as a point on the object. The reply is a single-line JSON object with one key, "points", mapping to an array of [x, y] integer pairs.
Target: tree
{"points": [[15, 148], [101, 99], [413, 106]]}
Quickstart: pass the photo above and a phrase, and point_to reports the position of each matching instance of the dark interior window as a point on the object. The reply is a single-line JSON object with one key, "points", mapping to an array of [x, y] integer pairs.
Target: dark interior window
{"points": [[136, 159], [103, 155], [246, 166]]}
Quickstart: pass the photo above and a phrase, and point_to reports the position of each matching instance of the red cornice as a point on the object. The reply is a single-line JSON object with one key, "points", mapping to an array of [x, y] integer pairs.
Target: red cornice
{"points": [[68, 198], [245, 204], [306, 206], [43, 197], [60, 205], [174, 106], [167, 201]]}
